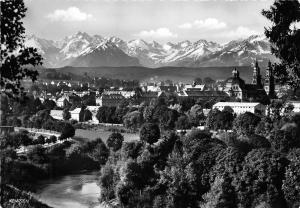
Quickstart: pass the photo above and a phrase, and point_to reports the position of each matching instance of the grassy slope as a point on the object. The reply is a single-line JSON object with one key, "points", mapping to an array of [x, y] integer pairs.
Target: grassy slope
{"points": [[172, 73]]}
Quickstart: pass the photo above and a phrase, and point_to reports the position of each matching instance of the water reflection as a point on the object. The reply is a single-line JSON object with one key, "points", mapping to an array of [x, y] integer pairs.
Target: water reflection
{"points": [[76, 191]]}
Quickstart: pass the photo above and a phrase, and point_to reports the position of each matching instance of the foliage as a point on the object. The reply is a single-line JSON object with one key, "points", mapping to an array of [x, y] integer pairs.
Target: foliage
{"points": [[67, 131], [97, 150], [66, 114], [132, 120], [150, 133], [15, 57], [291, 183], [183, 123], [115, 141], [285, 40], [246, 123]]}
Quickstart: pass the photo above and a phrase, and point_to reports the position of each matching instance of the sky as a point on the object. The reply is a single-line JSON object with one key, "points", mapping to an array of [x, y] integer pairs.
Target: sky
{"points": [[160, 20]]}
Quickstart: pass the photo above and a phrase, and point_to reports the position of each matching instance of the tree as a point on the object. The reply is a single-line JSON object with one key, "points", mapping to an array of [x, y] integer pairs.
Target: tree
{"points": [[285, 40], [132, 149], [66, 114], [16, 59], [223, 120], [221, 194], [49, 104], [150, 133], [195, 115], [67, 131], [284, 140], [107, 182], [198, 81], [260, 180], [40, 140], [183, 123], [87, 115], [97, 150], [211, 118], [246, 123], [115, 141], [291, 183], [53, 139], [132, 120], [208, 80], [37, 154]]}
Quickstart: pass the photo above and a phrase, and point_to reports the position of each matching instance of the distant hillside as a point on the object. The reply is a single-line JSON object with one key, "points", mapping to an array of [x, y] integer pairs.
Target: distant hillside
{"points": [[183, 74]]}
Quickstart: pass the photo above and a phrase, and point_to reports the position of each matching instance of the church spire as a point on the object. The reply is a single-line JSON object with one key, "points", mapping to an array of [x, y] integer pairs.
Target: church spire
{"points": [[256, 80], [269, 84]]}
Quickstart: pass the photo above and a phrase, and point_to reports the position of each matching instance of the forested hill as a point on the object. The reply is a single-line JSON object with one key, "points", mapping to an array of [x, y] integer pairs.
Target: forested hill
{"points": [[143, 73]]}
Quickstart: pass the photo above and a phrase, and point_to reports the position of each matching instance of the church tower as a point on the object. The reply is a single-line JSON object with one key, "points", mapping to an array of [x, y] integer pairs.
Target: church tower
{"points": [[269, 84], [235, 73], [256, 80]]}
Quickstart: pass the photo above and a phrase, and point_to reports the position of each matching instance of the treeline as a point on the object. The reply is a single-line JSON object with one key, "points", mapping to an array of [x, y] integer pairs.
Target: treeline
{"points": [[257, 165], [31, 113]]}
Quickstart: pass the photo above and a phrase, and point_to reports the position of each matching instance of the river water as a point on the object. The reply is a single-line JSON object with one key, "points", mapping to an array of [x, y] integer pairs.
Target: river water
{"points": [[74, 191]]}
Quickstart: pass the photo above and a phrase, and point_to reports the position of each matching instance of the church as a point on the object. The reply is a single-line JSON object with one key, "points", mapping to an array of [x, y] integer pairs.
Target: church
{"points": [[259, 90]]}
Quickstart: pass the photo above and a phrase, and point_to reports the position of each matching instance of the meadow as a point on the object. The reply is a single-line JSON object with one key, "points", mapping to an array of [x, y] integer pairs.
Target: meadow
{"points": [[103, 134]]}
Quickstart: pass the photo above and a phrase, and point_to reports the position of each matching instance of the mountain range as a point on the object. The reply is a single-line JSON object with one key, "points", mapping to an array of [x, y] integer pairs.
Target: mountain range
{"points": [[84, 50]]}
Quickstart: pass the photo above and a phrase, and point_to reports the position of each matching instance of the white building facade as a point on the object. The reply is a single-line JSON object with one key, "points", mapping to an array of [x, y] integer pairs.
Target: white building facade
{"points": [[241, 107]]}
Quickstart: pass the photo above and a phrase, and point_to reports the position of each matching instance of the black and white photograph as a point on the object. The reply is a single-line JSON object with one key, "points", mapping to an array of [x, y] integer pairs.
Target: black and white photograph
{"points": [[150, 104]]}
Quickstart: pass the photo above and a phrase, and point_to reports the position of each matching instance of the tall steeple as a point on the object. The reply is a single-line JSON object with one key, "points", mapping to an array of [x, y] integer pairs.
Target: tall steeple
{"points": [[269, 84], [256, 80], [235, 73]]}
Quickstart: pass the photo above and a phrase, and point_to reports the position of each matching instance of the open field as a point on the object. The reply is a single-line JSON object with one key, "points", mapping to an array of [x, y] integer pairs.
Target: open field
{"points": [[93, 134], [182, 74]]}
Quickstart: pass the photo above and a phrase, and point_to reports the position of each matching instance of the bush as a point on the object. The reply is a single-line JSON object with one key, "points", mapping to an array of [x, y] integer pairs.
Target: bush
{"points": [[53, 139], [115, 141], [40, 140], [150, 133]]}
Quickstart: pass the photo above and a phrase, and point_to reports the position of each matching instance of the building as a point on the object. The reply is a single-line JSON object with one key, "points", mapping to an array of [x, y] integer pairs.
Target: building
{"points": [[75, 114], [110, 100], [236, 87], [296, 105], [60, 101], [57, 114], [149, 96], [194, 87], [202, 95], [241, 107], [269, 84], [94, 110]]}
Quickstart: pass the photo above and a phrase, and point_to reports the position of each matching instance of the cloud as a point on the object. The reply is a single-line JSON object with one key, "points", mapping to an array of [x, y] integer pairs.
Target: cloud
{"points": [[208, 24], [158, 33], [240, 32], [72, 14]]}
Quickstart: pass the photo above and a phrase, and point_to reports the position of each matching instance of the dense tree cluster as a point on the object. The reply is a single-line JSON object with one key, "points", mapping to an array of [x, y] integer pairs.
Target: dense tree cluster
{"points": [[239, 169]]}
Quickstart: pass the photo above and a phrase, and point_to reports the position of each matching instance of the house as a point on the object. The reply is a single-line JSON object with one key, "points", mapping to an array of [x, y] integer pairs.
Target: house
{"points": [[57, 114], [94, 110], [194, 87], [296, 105], [110, 100], [60, 101], [75, 114], [148, 96], [241, 107]]}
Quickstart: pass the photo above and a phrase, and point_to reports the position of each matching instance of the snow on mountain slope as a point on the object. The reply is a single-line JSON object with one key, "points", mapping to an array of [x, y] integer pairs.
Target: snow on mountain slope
{"points": [[84, 47]]}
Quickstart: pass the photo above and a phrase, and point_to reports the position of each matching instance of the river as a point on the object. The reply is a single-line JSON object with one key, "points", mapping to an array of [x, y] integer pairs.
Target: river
{"points": [[75, 191]]}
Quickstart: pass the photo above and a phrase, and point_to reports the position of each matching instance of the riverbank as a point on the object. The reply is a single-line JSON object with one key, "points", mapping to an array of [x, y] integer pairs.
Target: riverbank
{"points": [[77, 190]]}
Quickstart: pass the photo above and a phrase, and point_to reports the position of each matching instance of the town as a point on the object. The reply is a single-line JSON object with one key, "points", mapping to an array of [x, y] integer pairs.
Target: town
{"points": [[209, 94], [97, 121]]}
